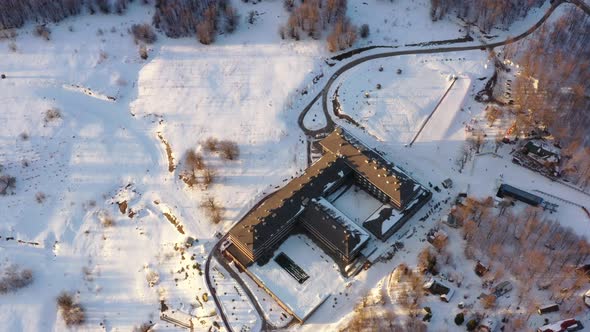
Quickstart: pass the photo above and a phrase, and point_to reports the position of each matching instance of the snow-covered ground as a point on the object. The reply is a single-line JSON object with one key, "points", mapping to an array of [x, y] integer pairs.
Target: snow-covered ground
{"points": [[402, 22], [78, 163], [66, 221], [274, 313], [394, 110], [355, 203], [324, 276], [240, 311]]}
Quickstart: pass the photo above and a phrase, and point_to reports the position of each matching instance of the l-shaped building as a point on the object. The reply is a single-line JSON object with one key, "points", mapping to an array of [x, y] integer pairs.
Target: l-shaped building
{"points": [[301, 205]]}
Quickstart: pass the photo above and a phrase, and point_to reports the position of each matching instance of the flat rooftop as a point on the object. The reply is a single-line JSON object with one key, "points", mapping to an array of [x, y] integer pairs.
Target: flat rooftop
{"points": [[324, 276]]}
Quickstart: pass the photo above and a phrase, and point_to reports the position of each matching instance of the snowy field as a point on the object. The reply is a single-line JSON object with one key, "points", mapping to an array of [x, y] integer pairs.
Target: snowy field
{"points": [[274, 313], [77, 165], [96, 210], [401, 23], [241, 313], [354, 202], [394, 111], [324, 276]]}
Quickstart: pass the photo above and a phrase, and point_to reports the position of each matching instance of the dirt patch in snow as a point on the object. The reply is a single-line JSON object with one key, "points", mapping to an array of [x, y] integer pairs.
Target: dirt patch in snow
{"points": [[171, 166], [122, 206], [172, 219]]}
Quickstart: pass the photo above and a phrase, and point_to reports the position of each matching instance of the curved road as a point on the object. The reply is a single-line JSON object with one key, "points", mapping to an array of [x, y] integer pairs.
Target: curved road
{"points": [[324, 92], [330, 123]]}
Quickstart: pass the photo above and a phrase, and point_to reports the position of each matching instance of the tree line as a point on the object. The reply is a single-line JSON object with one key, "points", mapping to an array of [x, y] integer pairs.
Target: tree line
{"points": [[486, 14], [539, 252], [552, 91], [312, 17], [15, 13], [205, 18], [176, 18]]}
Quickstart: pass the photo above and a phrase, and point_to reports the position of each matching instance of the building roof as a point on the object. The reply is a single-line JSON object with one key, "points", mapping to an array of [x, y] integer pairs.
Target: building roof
{"points": [[521, 195], [286, 203], [371, 165], [343, 154], [352, 237], [541, 149]]}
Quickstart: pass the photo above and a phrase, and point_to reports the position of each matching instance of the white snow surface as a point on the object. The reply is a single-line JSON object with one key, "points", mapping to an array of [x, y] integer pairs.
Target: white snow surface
{"points": [[245, 87], [324, 277], [241, 313], [356, 203]]}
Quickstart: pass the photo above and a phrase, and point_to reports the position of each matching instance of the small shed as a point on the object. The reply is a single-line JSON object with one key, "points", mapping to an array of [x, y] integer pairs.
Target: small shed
{"points": [[448, 183], [552, 307], [481, 269]]}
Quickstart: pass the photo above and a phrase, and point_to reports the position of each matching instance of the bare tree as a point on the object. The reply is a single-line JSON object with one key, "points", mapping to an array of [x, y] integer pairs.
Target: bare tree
{"points": [[72, 313], [7, 184], [211, 144], [205, 32], [52, 114], [13, 278], [213, 209], [143, 33], [208, 177], [194, 160], [143, 53], [231, 19], [229, 150], [43, 31]]}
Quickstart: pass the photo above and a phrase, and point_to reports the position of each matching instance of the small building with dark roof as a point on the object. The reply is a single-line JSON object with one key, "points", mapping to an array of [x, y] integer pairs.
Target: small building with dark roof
{"points": [[506, 190]]}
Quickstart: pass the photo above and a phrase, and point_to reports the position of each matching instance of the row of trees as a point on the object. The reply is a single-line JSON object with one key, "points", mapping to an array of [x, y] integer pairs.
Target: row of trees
{"points": [[484, 13], [312, 17], [205, 18], [15, 13], [177, 18], [538, 252], [552, 90], [194, 171]]}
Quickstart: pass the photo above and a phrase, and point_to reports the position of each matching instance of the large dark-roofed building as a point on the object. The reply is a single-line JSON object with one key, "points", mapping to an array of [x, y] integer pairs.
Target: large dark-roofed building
{"points": [[521, 195], [301, 204]]}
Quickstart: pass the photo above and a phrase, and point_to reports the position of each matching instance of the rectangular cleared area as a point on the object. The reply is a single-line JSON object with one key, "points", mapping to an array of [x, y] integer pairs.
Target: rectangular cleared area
{"points": [[324, 276], [355, 203], [293, 269]]}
